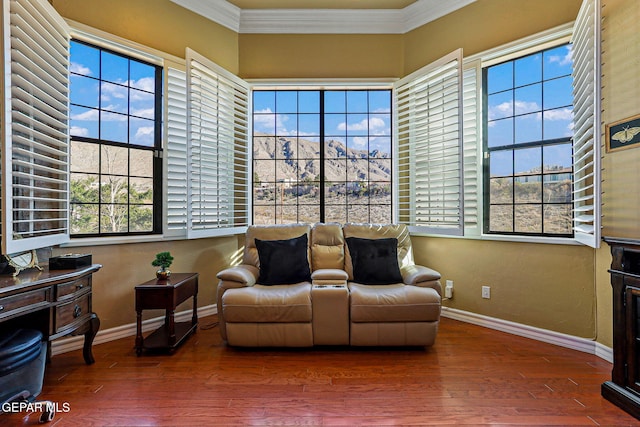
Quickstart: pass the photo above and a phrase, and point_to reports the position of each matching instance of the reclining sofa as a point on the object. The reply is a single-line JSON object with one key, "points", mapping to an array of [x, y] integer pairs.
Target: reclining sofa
{"points": [[328, 284]]}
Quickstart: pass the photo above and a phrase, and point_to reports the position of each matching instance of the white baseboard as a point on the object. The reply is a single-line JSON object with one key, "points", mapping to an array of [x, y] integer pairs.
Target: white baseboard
{"points": [[584, 345], [65, 345]]}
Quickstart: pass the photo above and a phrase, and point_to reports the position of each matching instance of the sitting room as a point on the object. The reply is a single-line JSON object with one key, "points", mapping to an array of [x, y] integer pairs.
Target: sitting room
{"points": [[320, 212]]}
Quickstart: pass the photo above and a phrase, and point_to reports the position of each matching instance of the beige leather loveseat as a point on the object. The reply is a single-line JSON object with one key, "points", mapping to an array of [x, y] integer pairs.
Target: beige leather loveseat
{"points": [[355, 284]]}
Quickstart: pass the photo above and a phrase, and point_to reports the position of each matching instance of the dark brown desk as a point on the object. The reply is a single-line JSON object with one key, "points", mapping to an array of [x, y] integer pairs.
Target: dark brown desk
{"points": [[166, 294], [57, 303]]}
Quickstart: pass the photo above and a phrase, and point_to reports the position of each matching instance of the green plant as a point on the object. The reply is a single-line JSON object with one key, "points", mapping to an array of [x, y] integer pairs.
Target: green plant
{"points": [[163, 259]]}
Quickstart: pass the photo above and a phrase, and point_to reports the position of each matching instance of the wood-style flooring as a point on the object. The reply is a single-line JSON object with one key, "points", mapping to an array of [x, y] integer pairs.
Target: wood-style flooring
{"points": [[471, 376]]}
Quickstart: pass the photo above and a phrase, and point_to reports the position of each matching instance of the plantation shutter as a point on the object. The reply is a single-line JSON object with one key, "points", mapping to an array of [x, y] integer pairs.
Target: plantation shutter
{"points": [[430, 152], [472, 102], [176, 163], [217, 149], [586, 138], [35, 137]]}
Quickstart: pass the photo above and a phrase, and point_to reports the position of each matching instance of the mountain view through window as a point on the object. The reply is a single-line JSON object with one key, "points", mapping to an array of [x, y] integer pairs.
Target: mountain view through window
{"points": [[322, 155]]}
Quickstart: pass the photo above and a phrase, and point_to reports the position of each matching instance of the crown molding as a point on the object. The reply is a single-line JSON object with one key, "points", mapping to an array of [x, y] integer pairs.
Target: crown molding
{"points": [[323, 21], [219, 11]]}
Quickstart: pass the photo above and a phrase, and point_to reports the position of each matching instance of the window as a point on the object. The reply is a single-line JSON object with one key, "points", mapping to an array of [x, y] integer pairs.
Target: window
{"points": [[115, 133], [528, 129], [322, 155]]}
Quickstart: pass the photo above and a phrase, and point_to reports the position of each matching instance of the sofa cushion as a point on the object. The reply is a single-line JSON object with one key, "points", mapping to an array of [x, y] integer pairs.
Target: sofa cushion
{"points": [[393, 303], [374, 261], [283, 262], [262, 304]]}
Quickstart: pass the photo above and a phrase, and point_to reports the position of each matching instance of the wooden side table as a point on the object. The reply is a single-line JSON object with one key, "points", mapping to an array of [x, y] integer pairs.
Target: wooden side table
{"points": [[166, 294]]}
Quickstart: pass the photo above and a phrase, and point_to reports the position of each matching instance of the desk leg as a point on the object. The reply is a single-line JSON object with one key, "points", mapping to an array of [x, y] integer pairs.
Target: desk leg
{"points": [[94, 325], [139, 333]]}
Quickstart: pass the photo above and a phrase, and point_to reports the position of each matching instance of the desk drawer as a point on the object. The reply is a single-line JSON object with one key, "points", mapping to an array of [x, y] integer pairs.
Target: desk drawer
{"points": [[70, 312], [70, 288], [23, 302]]}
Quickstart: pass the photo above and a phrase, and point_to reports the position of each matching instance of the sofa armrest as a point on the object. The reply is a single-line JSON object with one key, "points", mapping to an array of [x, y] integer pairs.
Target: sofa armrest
{"points": [[414, 274], [243, 273], [325, 276]]}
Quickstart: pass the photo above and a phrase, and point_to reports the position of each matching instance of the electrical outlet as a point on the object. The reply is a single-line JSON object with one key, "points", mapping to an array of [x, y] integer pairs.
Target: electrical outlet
{"points": [[486, 292], [448, 289]]}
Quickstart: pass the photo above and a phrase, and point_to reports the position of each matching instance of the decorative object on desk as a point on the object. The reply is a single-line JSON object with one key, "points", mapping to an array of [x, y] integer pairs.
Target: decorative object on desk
{"points": [[23, 261], [623, 134], [163, 260], [69, 261]]}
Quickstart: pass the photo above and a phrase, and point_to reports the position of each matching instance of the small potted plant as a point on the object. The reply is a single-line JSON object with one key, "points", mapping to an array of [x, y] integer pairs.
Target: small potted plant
{"points": [[163, 260]]}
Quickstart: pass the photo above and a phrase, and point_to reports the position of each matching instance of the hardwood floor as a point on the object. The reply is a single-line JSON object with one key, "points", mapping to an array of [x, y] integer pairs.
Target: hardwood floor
{"points": [[471, 376]]}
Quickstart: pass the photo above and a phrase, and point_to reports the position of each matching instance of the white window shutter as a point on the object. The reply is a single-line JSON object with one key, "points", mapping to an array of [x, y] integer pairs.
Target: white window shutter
{"points": [[586, 138], [218, 155], [472, 142], [35, 137], [428, 126], [176, 151]]}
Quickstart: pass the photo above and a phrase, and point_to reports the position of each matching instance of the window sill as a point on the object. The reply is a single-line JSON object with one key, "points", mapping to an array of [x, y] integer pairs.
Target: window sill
{"points": [[515, 239], [118, 240]]}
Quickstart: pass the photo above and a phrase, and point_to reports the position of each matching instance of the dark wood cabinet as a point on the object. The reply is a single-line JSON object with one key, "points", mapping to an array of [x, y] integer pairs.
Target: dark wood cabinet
{"points": [[624, 388]]}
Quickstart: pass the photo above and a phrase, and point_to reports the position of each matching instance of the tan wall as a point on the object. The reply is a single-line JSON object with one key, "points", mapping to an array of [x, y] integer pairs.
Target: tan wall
{"points": [[160, 24], [271, 56], [127, 265], [621, 176], [483, 25], [542, 285]]}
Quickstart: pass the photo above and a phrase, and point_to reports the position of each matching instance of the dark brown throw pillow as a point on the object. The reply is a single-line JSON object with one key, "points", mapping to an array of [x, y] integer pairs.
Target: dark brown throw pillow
{"points": [[283, 262], [375, 261]]}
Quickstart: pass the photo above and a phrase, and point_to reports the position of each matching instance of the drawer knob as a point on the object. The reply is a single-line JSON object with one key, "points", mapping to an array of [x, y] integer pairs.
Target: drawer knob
{"points": [[1, 307], [79, 287], [77, 311]]}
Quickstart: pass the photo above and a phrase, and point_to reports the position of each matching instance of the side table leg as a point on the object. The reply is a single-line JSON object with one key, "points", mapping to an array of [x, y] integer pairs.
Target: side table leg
{"points": [[194, 317], [171, 325], [139, 332], [94, 325]]}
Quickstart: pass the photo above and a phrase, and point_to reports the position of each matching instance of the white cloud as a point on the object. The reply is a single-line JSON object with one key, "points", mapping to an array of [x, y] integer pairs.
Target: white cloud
{"points": [[563, 114], [74, 67], [145, 83], [373, 125], [147, 113], [563, 60], [360, 141], [89, 115], [79, 131], [144, 131]]}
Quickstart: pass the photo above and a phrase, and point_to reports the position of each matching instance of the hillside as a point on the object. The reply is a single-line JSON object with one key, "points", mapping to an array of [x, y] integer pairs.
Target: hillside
{"points": [[299, 159]]}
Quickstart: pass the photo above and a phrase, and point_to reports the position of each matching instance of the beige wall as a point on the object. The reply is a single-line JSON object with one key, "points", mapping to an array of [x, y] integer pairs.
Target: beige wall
{"points": [[557, 287], [621, 176], [483, 25], [127, 265], [159, 24], [270, 56]]}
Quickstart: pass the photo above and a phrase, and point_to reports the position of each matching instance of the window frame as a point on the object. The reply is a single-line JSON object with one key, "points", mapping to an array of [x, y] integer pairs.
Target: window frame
{"points": [[156, 148], [328, 86], [514, 147]]}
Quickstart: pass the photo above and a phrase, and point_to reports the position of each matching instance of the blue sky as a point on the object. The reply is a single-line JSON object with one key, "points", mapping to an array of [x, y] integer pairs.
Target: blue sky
{"points": [[127, 88], [358, 118], [530, 99]]}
